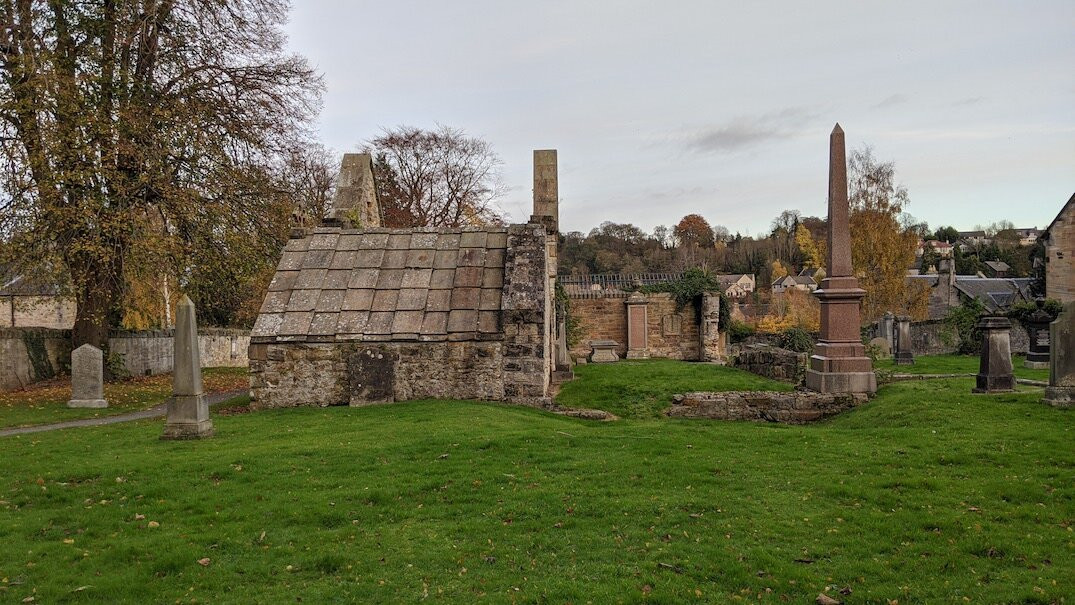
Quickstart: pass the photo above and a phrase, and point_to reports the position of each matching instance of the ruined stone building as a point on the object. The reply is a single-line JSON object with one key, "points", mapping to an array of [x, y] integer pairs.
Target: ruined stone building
{"points": [[1060, 255], [606, 307], [357, 313]]}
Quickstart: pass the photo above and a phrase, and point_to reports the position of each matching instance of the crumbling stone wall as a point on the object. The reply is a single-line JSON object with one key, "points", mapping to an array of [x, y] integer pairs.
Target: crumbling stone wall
{"points": [[935, 337], [672, 333], [53, 312], [795, 407], [772, 362]]}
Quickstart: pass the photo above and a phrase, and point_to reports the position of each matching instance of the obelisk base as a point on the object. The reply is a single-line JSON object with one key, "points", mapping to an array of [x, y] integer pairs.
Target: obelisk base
{"points": [[839, 363], [188, 418], [1060, 397]]}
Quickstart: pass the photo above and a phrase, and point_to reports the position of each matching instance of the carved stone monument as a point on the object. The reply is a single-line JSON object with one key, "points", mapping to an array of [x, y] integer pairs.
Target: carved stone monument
{"points": [[839, 363], [188, 412], [604, 351], [995, 369], [1037, 329], [886, 328], [87, 378], [904, 356], [637, 326], [1061, 390]]}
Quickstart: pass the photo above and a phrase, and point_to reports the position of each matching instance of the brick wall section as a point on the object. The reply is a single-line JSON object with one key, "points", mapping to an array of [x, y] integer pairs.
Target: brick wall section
{"points": [[1060, 255], [606, 318], [37, 312], [324, 374]]}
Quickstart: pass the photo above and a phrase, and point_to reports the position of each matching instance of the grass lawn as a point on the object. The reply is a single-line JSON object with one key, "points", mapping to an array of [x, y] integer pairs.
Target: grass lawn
{"points": [[644, 388], [957, 364], [46, 402], [927, 494]]}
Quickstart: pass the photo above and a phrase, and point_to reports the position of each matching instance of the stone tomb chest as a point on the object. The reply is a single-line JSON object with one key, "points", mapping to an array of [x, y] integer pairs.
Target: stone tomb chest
{"points": [[379, 315]]}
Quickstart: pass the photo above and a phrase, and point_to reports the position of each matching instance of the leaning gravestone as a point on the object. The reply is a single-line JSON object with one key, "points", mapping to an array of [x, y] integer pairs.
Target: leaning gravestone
{"points": [[1061, 390], [995, 369], [188, 412], [87, 378]]}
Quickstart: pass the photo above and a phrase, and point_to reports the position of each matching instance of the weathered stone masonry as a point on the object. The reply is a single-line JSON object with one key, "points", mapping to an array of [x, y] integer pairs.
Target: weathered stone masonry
{"points": [[448, 313]]}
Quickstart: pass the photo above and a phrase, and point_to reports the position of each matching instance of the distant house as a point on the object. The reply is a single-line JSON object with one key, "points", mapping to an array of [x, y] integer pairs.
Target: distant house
{"points": [[1059, 239], [948, 290], [811, 272], [737, 285], [997, 268], [973, 240], [794, 282], [1028, 237], [32, 302]]}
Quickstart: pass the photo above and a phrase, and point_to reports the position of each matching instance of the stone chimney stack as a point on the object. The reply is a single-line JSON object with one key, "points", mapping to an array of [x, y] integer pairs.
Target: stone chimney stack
{"points": [[546, 190], [356, 204]]}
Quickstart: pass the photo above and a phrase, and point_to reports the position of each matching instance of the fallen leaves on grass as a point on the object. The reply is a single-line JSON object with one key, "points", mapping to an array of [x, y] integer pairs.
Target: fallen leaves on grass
{"points": [[204, 562]]}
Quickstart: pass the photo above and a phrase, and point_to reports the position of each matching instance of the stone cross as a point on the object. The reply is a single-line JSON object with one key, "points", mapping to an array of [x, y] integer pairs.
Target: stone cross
{"points": [[839, 363], [188, 412], [1061, 390], [904, 356], [995, 368], [87, 378]]}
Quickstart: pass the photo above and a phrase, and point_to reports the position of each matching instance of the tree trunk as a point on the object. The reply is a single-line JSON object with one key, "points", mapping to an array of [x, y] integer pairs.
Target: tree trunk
{"points": [[97, 296]]}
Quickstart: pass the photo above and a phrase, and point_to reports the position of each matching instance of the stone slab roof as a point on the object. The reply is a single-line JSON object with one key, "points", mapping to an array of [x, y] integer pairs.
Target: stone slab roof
{"points": [[387, 285]]}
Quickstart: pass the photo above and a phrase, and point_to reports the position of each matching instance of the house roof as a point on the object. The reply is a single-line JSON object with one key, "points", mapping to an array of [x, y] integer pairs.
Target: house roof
{"points": [[998, 265], [810, 272], [387, 284], [996, 293]]}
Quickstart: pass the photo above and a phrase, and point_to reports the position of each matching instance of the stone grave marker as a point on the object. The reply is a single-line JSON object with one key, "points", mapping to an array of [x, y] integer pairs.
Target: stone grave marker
{"points": [[995, 368], [188, 411], [87, 378], [1061, 390], [904, 356]]}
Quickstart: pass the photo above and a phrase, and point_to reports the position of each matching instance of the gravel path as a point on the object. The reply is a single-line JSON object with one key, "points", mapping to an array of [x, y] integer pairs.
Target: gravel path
{"points": [[153, 412]]}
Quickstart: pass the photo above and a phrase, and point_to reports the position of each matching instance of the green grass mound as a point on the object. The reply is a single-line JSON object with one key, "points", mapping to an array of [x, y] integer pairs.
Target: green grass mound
{"points": [[927, 494]]}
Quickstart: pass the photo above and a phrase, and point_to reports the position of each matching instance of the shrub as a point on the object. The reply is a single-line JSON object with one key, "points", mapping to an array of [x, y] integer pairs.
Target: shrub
{"points": [[796, 339], [739, 331], [962, 321], [1022, 311]]}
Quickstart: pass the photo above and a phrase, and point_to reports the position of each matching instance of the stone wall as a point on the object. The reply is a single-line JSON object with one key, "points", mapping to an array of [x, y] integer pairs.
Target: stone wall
{"points": [[772, 362], [28, 355], [795, 407], [1060, 256], [37, 312], [672, 333], [324, 374]]}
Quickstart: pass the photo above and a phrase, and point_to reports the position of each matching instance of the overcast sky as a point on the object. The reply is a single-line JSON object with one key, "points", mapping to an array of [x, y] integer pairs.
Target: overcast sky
{"points": [[660, 109]]}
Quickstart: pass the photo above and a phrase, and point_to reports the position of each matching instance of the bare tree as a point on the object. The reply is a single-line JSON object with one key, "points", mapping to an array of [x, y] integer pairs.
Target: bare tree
{"points": [[143, 128], [439, 178]]}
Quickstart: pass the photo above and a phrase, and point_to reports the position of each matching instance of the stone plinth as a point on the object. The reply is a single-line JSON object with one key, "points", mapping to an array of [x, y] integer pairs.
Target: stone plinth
{"points": [[839, 363], [1037, 329], [995, 369], [188, 411], [903, 356], [637, 327], [87, 378], [604, 351], [1061, 390]]}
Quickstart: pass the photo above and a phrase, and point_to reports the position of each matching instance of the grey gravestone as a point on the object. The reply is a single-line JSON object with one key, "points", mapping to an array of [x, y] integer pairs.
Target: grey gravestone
{"points": [[995, 369], [883, 348], [904, 356], [1037, 328], [87, 378], [188, 412], [886, 327], [1061, 390]]}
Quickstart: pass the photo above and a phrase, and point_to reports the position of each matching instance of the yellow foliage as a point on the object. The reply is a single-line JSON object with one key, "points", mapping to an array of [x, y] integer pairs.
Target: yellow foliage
{"points": [[779, 270], [813, 249], [793, 309]]}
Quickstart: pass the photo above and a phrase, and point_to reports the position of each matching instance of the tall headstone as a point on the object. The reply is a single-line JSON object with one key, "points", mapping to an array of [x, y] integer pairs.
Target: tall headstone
{"points": [[87, 378], [1037, 328], [839, 363], [637, 326], [188, 412], [1061, 390], [904, 356], [995, 368]]}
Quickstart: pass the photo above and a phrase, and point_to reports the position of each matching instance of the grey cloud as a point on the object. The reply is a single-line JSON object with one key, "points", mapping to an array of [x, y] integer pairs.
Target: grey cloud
{"points": [[748, 131], [968, 101]]}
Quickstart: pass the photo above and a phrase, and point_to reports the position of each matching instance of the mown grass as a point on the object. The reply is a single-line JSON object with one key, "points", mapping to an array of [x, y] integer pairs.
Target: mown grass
{"points": [[46, 402], [644, 388], [927, 494], [958, 364]]}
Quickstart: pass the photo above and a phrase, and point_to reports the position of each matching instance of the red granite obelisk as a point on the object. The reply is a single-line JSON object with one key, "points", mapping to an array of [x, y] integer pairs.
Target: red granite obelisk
{"points": [[839, 363]]}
